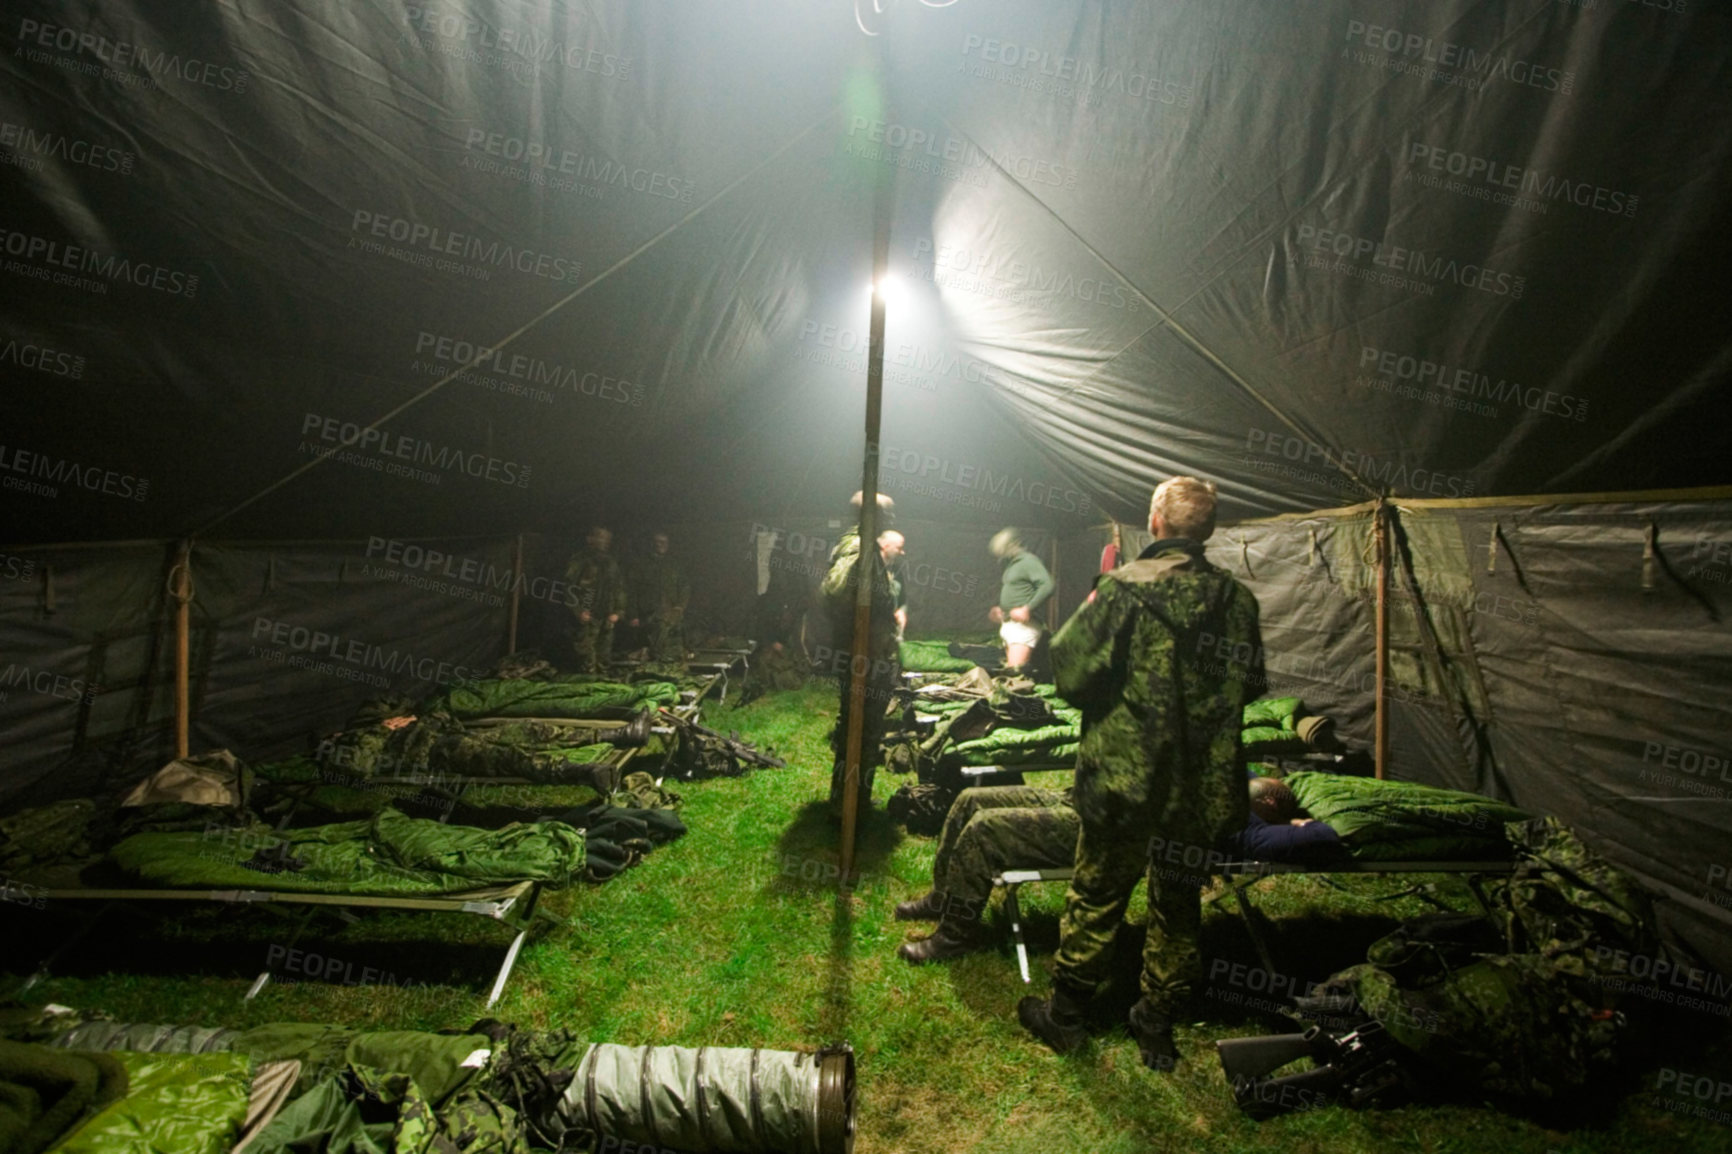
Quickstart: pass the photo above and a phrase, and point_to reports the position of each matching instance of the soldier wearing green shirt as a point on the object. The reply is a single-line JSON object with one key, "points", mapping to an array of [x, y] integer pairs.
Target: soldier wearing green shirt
{"points": [[659, 596], [1024, 588], [1158, 759], [601, 601]]}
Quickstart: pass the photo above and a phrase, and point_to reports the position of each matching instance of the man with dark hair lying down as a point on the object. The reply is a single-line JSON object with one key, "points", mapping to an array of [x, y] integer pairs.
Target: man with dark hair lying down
{"points": [[994, 828]]}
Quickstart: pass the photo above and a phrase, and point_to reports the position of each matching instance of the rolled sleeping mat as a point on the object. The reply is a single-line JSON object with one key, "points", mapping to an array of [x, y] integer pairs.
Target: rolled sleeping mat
{"points": [[1316, 731], [714, 1100]]}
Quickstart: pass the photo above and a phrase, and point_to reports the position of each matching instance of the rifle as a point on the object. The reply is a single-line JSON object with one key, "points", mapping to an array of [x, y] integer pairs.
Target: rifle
{"points": [[1352, 1070], [731, 744]]}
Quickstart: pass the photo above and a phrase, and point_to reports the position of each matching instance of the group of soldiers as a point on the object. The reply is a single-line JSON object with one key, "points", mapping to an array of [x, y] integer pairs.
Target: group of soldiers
{"points": [[648, 596], [1158, 756], [1025, 586]]}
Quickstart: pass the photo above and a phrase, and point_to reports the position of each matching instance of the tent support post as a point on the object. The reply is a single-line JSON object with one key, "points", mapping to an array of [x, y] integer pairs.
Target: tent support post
{"points": [[180, 588], [1052, 602], [860, 660], [516, 596], [1380, 532]]}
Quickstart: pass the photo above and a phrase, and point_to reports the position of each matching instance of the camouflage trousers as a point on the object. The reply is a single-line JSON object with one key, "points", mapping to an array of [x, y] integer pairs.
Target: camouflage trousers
{"points": [[1109, 863], [881, 679], [592, 644], [995, 828], [666, 639]]}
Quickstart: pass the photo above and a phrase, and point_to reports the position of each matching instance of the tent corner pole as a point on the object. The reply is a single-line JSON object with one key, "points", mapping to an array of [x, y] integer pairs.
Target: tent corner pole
{"points": [[516, 596], [1380, 532], [180, 588]]}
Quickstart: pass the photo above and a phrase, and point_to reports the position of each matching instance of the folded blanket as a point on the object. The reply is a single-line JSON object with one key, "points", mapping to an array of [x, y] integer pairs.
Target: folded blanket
{"points": [[388, 854]]}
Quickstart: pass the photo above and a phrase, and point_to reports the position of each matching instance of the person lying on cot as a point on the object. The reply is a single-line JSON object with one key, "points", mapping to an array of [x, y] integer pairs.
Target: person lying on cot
{"points": [[994, 828]]}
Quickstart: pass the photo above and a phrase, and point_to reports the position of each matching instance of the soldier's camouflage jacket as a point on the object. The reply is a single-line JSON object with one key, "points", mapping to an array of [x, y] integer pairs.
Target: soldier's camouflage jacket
{"points": [[1161, 711], [841, 586], [595, 579]]}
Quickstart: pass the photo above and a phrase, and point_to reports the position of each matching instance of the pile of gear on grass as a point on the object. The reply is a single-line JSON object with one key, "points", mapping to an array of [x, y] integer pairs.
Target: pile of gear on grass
{"points": [[84, 1084], [397, 778], [1549, 997]]}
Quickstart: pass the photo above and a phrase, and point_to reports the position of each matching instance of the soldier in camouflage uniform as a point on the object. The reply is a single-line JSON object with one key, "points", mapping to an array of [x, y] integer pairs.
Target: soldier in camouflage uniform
{"points": [[1158, 758], [659, 595], [988, 830], [601, 601], [839, 589]]}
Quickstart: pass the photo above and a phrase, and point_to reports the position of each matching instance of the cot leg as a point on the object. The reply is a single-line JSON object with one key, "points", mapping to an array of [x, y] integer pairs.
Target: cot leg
{"points": [[1249, 915], [264, 978], [59, 951], [505, 970], [1015, 911]]}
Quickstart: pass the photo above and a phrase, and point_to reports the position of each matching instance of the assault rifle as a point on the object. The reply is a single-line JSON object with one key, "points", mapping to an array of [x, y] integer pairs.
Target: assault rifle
{"points": [[1352, 1070], [731, 745]]}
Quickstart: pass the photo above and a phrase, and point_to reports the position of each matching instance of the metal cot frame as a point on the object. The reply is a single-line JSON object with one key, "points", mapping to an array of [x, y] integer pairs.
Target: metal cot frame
{"points": [[514, 906], [1242, 876]]}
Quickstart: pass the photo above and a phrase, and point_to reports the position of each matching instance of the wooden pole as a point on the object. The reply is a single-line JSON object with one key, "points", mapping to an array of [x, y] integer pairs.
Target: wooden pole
{"points": [[1052, 602], [860, 660], [516, 596], [180, 582], [1380, 532]]}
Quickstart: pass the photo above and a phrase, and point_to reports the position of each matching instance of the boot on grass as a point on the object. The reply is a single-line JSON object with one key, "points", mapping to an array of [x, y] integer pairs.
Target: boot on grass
{"points": [[1153, 1031], [1058, 1022], [954, 937]]}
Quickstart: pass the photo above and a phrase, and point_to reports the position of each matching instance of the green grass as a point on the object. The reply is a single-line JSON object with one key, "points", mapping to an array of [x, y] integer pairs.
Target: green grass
{"points": [[737, 936]]}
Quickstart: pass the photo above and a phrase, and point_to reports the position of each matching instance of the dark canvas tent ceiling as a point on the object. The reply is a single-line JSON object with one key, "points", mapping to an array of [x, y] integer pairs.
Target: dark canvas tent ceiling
{"points": [[1314, 251]]}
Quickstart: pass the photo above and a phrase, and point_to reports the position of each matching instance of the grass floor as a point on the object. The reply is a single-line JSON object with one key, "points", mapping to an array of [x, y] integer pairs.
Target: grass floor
{"points": [[738, 935]]}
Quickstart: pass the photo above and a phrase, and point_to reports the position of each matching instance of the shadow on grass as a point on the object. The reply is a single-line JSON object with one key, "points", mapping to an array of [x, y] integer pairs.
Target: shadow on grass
{"points": [[808, 861], [809, 851]]}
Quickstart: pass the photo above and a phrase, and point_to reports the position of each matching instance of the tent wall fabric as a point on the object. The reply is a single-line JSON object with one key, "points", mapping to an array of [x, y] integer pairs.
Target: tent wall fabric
{"points": [[1539, 654], [286, 639], [452, 266]]}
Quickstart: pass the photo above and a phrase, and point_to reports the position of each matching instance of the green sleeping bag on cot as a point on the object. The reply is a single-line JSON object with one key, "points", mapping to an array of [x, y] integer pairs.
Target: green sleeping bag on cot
{"points": [[1404, 821]]}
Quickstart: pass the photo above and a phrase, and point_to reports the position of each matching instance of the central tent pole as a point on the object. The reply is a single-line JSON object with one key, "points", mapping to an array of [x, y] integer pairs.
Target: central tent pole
{"points": [[860, 660]]}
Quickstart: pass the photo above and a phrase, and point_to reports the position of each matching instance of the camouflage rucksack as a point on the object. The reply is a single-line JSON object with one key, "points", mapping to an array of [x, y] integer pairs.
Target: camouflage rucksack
{"points": [[1528, 1005]]}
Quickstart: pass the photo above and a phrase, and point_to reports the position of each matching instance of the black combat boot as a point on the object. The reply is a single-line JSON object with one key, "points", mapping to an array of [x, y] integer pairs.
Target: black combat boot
{"points": [[1058, 1023], [953, 938], [925, 909], [1153, 1032]]}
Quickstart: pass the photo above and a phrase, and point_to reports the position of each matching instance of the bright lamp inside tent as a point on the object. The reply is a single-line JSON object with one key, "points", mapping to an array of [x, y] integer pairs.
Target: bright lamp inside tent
{"points": [[886, 288]]}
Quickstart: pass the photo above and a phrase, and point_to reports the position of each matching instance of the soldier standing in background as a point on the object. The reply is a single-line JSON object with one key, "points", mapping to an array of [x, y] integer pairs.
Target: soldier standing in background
{"points": [[601, 600], [1159, 757], [659, 594], [1025, 587], [838, 592], [890, 547]]}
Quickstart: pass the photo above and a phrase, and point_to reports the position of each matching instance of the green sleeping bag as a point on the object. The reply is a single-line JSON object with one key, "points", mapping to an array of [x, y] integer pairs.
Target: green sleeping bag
{"points": [[388, 854], [1403, 821], [932, 657], [566, 697], [185, 1103]]}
